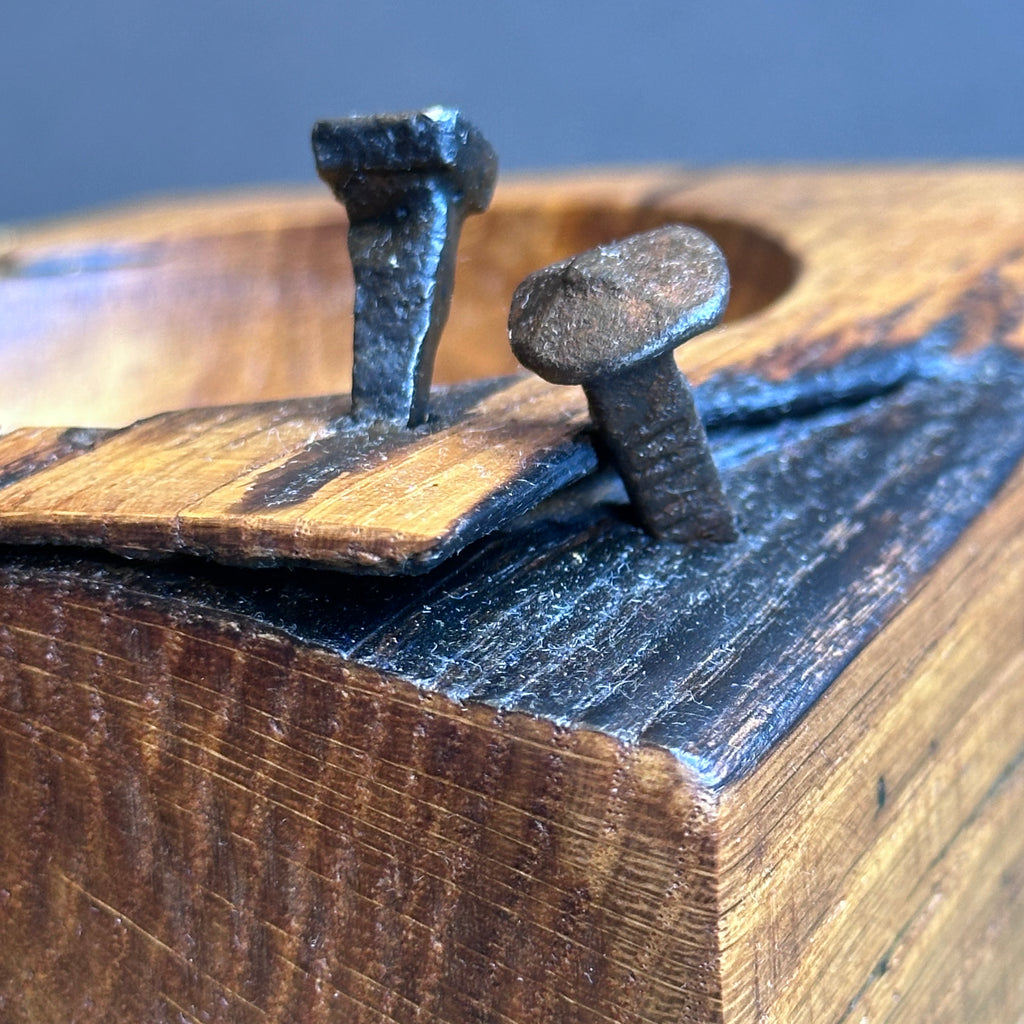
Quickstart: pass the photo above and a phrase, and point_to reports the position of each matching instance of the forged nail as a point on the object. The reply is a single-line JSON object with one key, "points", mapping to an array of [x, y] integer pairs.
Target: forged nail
{"points": [[609, 319], [407, 181]]}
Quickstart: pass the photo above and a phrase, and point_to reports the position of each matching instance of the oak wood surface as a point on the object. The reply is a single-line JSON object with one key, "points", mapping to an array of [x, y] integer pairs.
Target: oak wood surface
{"points": [[190, 291], [881, 841], [262, 796]]}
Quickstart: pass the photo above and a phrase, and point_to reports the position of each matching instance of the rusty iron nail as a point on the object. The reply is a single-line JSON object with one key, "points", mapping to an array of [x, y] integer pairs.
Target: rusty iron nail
{"points": [[407, 181], [609, 319]]}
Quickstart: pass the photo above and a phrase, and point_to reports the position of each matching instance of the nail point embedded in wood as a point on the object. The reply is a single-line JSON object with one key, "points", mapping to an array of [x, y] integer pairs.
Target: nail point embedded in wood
{"points": [[609, 319]]}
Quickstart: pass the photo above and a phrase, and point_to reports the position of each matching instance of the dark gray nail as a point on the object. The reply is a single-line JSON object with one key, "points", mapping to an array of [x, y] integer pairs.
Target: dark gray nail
{"points": [[609, 319], [407, 182]]}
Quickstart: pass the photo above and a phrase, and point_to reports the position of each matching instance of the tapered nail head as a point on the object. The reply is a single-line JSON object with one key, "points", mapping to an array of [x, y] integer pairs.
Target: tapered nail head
{"points": [[407, 181]]}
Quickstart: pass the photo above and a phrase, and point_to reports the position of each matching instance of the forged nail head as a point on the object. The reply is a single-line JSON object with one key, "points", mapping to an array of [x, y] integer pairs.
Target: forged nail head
{"points": [[438, 141], [609, 319], [618, 305]]}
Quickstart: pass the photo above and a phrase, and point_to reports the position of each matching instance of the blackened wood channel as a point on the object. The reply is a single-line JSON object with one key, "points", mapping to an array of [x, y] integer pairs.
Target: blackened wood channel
{"points": [[575, 616]]}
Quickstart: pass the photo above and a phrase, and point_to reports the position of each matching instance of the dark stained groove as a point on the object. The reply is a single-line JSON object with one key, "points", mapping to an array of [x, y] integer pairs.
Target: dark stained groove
{"points": [[73, 441], [358, 446]]}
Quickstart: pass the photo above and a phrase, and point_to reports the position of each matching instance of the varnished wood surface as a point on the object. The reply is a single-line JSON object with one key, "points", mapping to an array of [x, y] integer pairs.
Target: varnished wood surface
{"points": [[191, 483], [271, 796], [281, 482]]}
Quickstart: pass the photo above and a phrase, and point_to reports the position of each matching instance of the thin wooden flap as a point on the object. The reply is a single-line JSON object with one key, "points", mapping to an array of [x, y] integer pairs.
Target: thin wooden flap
{"points": [[294, 481]]}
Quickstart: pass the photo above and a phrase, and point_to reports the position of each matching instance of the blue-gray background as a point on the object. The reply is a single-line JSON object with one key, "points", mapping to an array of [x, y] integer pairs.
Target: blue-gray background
{"points": [[104, 100]]}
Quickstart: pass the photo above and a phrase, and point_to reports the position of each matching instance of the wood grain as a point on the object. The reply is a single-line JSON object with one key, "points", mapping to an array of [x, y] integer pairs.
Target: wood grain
{"points": [[876, 860], [824, 265], [260, 832], [233, 483], [568, 774]]}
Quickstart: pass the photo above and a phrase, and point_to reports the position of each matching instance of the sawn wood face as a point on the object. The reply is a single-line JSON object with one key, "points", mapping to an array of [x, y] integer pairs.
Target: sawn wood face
{"points": [[567, 773]]}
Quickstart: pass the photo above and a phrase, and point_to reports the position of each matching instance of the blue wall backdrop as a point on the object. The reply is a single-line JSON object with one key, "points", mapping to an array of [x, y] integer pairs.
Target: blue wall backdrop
{"points": [[105, 100]]}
